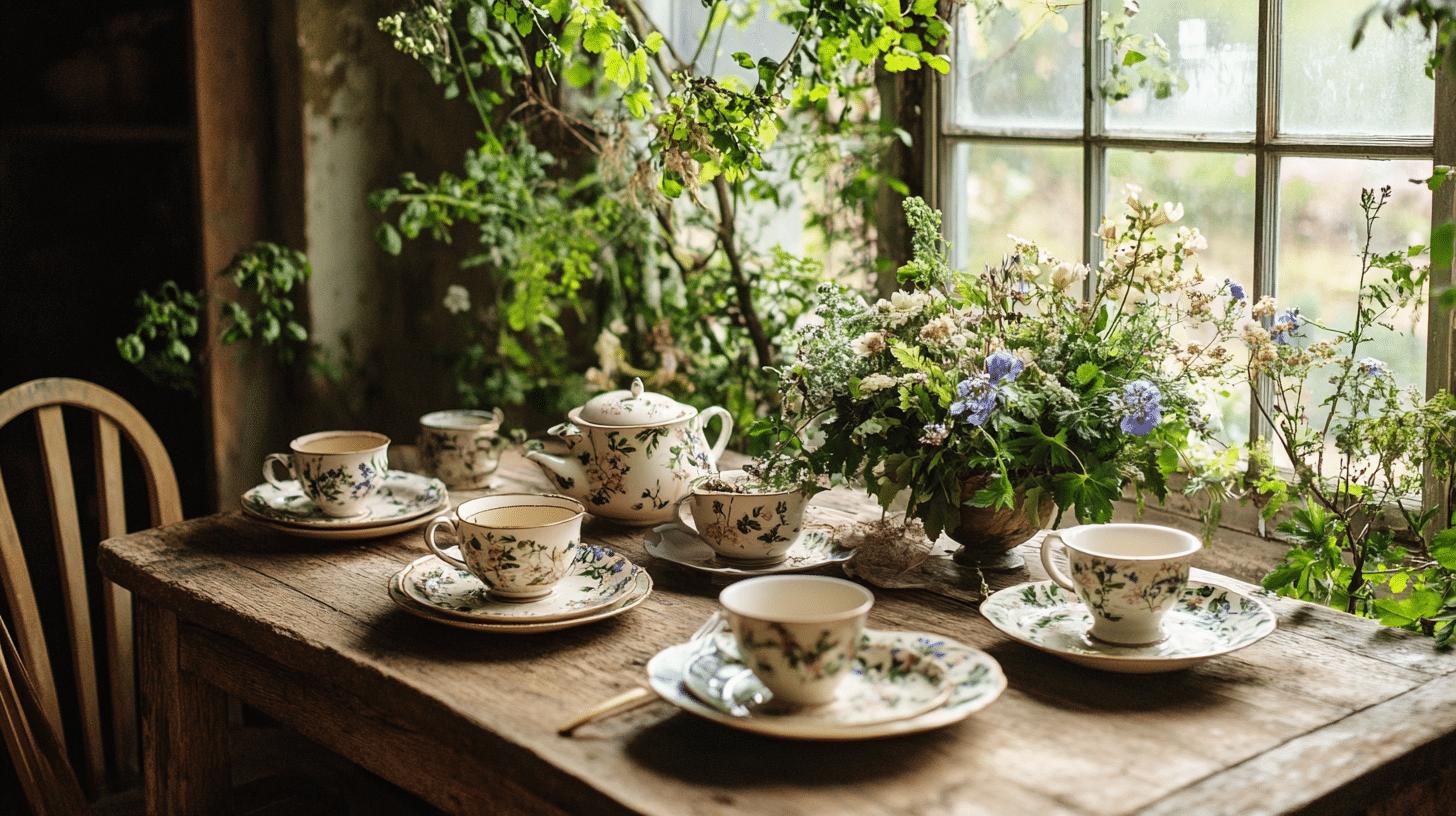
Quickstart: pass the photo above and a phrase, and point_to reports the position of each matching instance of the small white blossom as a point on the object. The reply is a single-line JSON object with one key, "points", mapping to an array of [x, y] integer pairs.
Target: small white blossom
{"points": [[876, 382], [1166, 214], [1131, 194], [1108, 231], [1067, 274], [457, 299], [938, 331], [1191, 240], [869, 344]]}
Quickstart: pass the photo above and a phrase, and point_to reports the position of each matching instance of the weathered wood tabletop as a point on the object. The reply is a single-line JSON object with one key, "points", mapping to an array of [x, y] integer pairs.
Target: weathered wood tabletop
{"points": [[1329, 714]]}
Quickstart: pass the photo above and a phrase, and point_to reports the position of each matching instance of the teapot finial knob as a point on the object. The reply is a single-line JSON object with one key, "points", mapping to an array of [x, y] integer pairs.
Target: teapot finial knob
{"points": [[637, 388]]}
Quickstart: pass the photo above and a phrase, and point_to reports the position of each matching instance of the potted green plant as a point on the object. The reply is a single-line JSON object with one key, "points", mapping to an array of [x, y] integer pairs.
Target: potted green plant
{"points": [[987, 402]]}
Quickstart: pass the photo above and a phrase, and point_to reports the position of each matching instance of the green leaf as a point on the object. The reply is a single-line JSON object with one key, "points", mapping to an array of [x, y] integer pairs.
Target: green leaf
{"points": [[379, 200], [131, 347], [901, 60], [1087, 372], [596, 39], [1442, 238], [1133, 58], [744, 60], [388, 239], [477, 22], [1443, 548], [578, 74], [653, 42], [671, 184]]}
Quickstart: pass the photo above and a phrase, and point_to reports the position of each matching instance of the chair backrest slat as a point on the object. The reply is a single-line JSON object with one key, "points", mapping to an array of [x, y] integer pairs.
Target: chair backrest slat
{"points": [[46, 775], [114, 418], [56, 459]]}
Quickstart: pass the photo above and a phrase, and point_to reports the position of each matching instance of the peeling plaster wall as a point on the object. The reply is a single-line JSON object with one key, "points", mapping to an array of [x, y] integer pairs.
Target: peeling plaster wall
{"points": [[369, 114]]}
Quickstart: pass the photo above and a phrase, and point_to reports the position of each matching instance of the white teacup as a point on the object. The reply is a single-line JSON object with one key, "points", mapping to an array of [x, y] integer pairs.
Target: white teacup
{"points": [[461, 447], [520, 545], [1128, 575], [752, 529], [339, 471], [799, 634]]}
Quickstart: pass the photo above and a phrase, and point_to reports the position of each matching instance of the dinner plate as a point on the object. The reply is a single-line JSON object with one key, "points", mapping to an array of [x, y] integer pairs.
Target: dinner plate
{"points": [[1208, 621], [641, 588], [402, 496], [890, 680], [672, 543], [975, 677], [597, 578]]}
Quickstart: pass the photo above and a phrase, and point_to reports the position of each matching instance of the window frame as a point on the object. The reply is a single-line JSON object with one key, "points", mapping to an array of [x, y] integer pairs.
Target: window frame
{"points": [[1267, 145]]}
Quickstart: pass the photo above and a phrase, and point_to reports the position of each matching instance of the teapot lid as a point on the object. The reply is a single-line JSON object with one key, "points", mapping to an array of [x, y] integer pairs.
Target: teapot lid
{"points": [[631, 407]]}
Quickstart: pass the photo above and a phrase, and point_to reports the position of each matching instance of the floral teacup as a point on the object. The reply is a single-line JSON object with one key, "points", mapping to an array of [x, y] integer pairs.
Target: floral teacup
{"points": [[799, 634], [461, 447], [520, 545], [339, 471], [750, 529], [1128, 575]]}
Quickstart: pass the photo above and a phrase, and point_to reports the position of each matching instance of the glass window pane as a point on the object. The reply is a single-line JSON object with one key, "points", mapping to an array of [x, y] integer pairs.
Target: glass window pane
{"points": [[1321, 234], [1214, 48], [1379, 88], [1018, 71], [1217, 194], [996, 190]]}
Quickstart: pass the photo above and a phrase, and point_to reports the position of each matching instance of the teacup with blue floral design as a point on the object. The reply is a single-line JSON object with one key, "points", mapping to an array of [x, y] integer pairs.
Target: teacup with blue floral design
{"points": [[339, 471], [520, 545], [1128, 575], [743, 525], [798, 634]]}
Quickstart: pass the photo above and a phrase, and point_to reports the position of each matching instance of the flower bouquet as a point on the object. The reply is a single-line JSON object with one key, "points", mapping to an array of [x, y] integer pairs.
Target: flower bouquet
{"points": [[987, 401]]}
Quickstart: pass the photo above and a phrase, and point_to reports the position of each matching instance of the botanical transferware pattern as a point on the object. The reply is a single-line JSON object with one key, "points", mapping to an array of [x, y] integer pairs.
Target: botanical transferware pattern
{"points": [[1110, 590], [465, 456], [672, 543], [506, 560], [892, 678], [596, 579], [1205, 622], [401, 496], [340, 484], [976, 681], [636, 594]]}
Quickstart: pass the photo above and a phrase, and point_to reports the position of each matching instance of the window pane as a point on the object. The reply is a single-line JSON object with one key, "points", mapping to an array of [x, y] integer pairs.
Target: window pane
{"points": [[1031, 191], [1012, 71], [1321, 234], [1379, 88], [1217, 194], [1214, 47]]}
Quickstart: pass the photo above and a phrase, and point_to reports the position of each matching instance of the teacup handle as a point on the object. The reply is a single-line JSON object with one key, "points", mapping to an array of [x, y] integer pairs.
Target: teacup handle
{"points": [[444, 521], [677, 509], [727, 430], [1053, 571], [281, 458]]}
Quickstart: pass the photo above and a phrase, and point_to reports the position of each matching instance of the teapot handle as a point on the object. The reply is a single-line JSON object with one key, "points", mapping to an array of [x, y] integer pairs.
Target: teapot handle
{"points": [[727, 431]]}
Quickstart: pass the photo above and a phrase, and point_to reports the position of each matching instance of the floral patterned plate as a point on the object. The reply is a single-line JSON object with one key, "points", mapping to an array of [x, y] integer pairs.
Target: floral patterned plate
{"points": [[640, 589], [672, 543], [1208, 621], [891, 680], [598, 577], [401, 497], [974, 678]]}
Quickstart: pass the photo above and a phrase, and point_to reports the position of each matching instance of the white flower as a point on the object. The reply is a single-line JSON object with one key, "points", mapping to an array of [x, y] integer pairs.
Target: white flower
{"points": [[902, 306], [868, 344], [1166, 214], [457, 299], [1109, 230], [938, 331], [1125, 254], [1067, 273], [1191, 240], [876, 382], [1131, 195]]}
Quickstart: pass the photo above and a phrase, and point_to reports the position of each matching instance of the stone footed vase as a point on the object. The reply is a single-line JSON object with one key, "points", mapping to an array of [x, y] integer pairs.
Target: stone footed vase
{"points": [[989, 536]]}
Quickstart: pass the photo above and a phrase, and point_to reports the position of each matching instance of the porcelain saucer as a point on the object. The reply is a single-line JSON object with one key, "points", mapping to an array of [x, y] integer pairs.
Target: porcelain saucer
{"points": [[672, 543], [598, 578], [974, 677], [401, 497], [347, 533], [640, 589], [891, 680], [1208, 621]]}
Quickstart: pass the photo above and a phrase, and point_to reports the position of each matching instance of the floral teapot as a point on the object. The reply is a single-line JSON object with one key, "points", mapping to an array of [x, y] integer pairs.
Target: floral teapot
{"points": [[632, 454]]}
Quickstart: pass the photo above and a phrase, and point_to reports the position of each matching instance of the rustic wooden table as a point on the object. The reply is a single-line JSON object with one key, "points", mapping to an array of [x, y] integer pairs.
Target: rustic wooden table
{"points": [[1330, 714]]}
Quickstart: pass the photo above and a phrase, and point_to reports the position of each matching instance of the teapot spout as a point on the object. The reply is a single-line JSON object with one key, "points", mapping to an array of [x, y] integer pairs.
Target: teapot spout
{"points": [[569, 475]]}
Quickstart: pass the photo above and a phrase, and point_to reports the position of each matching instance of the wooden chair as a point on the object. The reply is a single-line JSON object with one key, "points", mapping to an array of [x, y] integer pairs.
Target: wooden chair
{"points": [[292, 774]]}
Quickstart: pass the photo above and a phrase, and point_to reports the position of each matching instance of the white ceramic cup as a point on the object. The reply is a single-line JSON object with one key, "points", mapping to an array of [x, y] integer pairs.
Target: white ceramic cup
{"points": [[461, 447], [1128, 575], [752, 529], [339, 471], [520, 545], [799, 634]]}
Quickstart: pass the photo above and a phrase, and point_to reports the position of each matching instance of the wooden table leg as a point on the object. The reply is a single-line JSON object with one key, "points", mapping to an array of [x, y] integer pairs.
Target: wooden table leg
{"points": [[185, 759]]}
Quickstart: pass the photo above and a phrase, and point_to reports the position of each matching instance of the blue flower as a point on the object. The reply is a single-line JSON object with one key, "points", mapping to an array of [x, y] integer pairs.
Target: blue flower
{"points": [[977, 399], [1003, 365], [1235, 289], [1374, 367], [1143, 402], [1285, 325]]}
